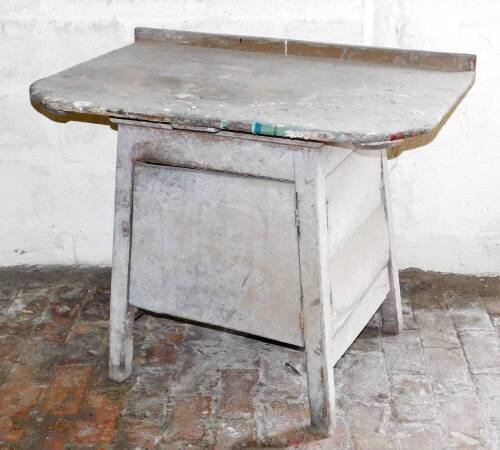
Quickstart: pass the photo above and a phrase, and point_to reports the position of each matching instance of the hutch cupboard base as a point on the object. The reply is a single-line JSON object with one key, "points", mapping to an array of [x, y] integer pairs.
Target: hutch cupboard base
{"points": [[252, 188], [280, 239]]}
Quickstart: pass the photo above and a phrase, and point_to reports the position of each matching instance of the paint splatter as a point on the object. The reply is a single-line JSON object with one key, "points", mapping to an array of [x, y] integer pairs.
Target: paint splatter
{"points": [[268, 129]]}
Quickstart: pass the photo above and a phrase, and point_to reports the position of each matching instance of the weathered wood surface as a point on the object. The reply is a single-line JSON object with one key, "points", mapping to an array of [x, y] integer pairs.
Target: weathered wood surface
{"points": [[391, 311], [353, 192], [358, 231], [218, 249], [315, 282], [221, 153], [342, 99], [223, 241], [229, 241], [357, 263], [121, 319], [457, 62], [343, 336], [333, 159]]}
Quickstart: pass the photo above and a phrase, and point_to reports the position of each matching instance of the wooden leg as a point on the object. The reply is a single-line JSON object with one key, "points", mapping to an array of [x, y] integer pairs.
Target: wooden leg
{"points": [[392, 316], [121, 327], [316, 306], [121, 344]]}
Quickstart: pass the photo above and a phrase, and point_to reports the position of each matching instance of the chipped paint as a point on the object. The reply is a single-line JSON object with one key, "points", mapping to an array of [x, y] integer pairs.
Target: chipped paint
{"points": [[323, 111], [81, 105], [268, 129]]}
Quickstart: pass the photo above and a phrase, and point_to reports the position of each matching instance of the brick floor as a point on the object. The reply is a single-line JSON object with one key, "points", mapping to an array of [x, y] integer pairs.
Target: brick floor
{"points": [[434, 386]]}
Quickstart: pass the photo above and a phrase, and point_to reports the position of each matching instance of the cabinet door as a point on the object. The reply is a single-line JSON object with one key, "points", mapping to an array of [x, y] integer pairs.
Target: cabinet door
{"points": [[218, 249]]}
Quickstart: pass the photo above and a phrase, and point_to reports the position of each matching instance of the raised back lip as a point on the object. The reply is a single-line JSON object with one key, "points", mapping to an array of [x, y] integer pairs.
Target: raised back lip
{"points": [[452, 62]]}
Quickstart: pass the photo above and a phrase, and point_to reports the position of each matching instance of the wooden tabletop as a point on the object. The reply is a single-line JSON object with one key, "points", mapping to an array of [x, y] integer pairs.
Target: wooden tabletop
{"points": [[291, 89]]}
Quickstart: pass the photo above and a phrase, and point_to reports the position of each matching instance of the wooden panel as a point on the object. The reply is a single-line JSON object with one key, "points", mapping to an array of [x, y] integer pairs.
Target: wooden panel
{"points": [[332, 157], [357, 263], [353, 192], [362, 312], [218, 249], [213, 152]]}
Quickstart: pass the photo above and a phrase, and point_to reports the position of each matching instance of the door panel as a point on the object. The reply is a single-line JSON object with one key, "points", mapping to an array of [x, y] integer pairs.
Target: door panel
{"points": [[216, 248]]}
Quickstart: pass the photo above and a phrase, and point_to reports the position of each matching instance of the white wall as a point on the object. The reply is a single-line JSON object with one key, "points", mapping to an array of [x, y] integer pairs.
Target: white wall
{"points": [[56, 181]]}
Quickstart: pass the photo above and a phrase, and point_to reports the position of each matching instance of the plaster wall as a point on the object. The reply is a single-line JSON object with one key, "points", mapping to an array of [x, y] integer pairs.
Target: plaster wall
{"points": [[57, 180]]}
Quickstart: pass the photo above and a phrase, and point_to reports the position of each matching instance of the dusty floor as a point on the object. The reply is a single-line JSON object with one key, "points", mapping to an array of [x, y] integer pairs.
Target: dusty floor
{"points": [[435, 386]]}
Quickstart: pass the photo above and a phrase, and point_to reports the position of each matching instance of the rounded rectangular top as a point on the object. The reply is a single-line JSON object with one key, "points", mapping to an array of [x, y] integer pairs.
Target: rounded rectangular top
{"points": [[344, 95]]}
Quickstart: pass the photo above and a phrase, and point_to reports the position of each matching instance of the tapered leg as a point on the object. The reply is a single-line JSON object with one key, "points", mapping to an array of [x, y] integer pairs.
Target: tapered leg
{"points": [[316, 306], [121, 341], [392, 317], [121, 327]]}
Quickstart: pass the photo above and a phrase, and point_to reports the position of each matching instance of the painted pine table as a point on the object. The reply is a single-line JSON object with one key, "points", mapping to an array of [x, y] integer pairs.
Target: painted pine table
{"points": [[252, 188]]}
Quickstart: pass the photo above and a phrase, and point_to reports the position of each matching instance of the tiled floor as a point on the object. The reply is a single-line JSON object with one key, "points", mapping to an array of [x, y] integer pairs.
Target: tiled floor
{"points": [[435, 386]]}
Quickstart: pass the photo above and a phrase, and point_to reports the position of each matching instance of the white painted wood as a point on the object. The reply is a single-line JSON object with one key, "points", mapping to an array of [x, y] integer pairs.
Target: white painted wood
{"points": [[287, 93], [221, 248], [132, 137], [353, 192], [357, 263], [316, 305], [121, 314], [391, 311], [333, 156], [222, 133], [360, 315], [217, 152], [218, 249]]}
